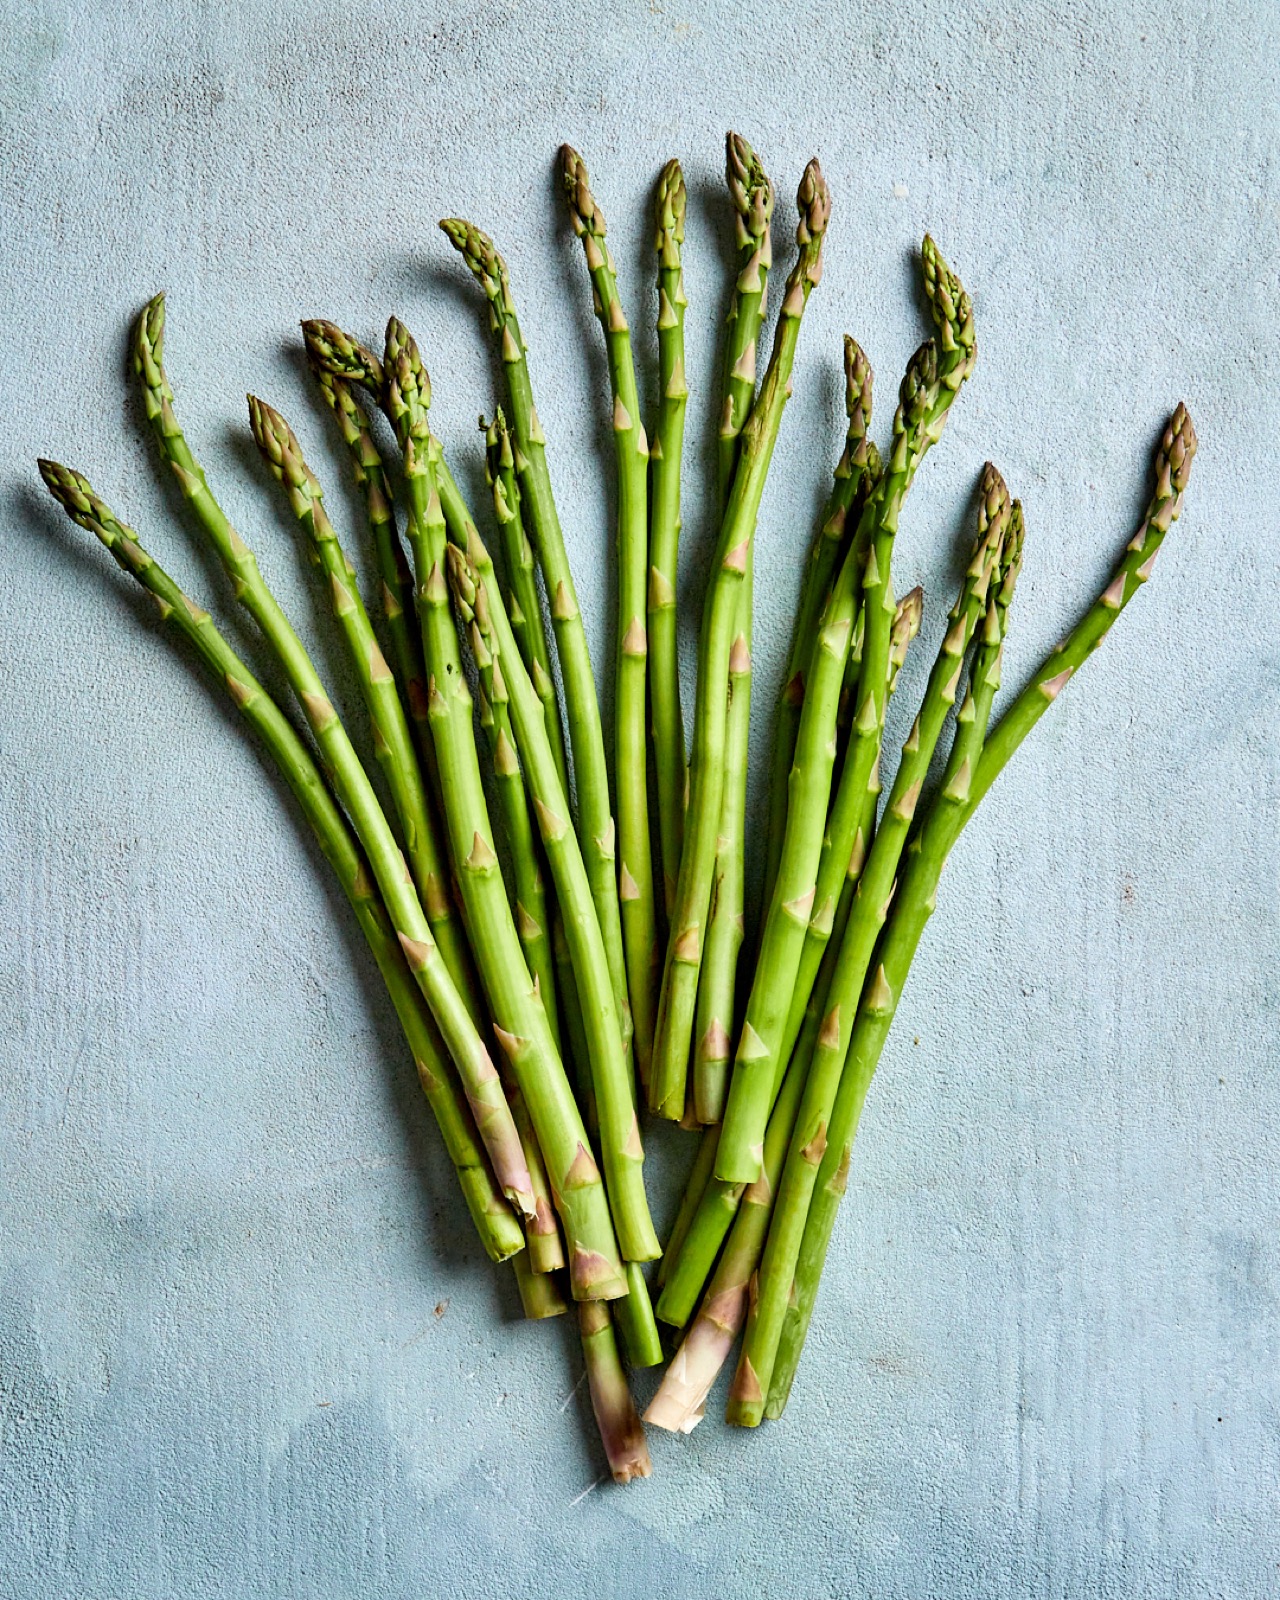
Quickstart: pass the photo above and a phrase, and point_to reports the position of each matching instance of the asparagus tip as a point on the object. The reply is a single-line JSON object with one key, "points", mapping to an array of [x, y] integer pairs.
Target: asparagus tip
{"points": [[584, 213], [333, 351]]}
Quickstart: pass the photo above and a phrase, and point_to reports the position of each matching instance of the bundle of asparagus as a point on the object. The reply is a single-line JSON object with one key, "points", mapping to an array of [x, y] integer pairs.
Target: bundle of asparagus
{"points": [[605, 962]]}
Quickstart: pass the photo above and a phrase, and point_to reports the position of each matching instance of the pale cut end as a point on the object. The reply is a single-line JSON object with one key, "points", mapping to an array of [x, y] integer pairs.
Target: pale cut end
{"points": [[681, 1401]]}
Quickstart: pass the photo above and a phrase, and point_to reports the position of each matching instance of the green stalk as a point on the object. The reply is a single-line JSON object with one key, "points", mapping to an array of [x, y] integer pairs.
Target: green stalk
{"points": [[351, 782], [631, 735], [596, 832], [714, 1017], [495, 1222], [695, 1187], [870, 910], [392, 740], [706, 789], [477, 595], [665, 718], [976, 761], [621, 1431], [540, 1293], [524, 603], [530, 895], [931, 382], [519, 1018], [856, 472]]}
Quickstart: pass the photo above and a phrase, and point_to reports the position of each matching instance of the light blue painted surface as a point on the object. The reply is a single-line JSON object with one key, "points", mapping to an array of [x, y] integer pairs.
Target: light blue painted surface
{"points": [[1045, 1362]]}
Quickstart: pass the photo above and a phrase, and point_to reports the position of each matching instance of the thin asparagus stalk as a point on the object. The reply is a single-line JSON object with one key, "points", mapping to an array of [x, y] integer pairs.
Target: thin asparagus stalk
{"points": [[392, 741], [751, 194], [541, 1295], [596, 832], [713, 1211], [971, 772], [714, 1017], [396, 581], [665, 458], [856, 472], [621, 1431], [351, 782], [524, 603], [695, 1187], [478, 597], [870, 910], [717, 986], [684, 952], [530, 895], [631, 449], [495, 1222], [519, 1018], [934, 376]]}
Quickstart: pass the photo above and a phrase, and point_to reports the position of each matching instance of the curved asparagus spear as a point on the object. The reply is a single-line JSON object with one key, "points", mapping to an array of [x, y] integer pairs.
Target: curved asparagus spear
{"points": [[596, 832], [932, 379], [688, 922], [495, 1222], [471, 572], [665, 718], [392, 740], [977, 760], [856, 472], [870, 909], [519, 1018], [351, 782], [752, 197], [631, 449]]}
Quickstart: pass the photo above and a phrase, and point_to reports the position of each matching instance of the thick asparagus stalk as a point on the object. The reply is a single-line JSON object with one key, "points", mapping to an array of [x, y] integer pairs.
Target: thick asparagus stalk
{"points": [[856, 472], [495, 1222], [688, 922], [631, 449], [870, 909], [666, 450], [976, 761], [752, 197], [596, 832], [350, 780], [519, 1018], [621, 1431]]}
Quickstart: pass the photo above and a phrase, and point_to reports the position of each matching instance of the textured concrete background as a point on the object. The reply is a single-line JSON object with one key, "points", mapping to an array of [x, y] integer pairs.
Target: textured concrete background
{"points": [[246, 1346]]}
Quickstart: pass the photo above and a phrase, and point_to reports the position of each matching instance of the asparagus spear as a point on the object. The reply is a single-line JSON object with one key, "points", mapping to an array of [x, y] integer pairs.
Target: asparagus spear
{"points": [[631, 448], [856, 472], [870, 909], [540, 1292], [751, 194], [471, 574], [596, 832], [519, 1018], [351, 782], [495, 1222], [665, 718], [976, 761], [621, 1431], [393, 743], [752, 197], [684, 952], [932, 379]]}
